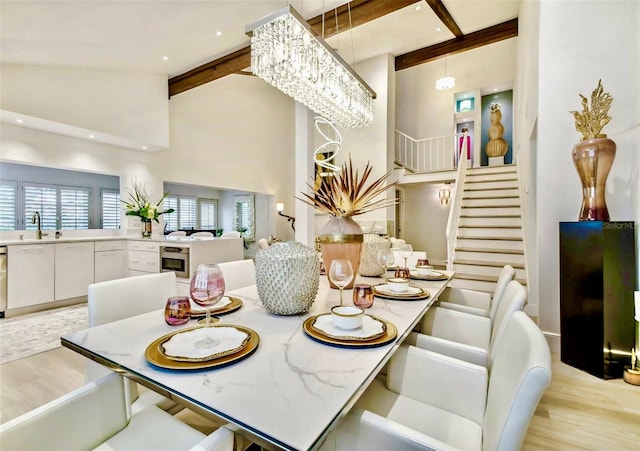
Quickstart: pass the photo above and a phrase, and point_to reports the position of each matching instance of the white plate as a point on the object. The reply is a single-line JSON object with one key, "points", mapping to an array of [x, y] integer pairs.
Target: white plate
{"points": [[183, 346], [222, 303], [411, 291], [371, 328]]}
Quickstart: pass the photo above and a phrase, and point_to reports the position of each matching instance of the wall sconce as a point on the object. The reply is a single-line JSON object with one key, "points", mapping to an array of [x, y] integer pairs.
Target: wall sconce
{"points": [[291, 219], [444, 195]]}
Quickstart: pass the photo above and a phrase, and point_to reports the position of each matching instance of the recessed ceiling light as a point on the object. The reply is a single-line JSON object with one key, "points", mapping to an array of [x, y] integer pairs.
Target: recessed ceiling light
{"points": [[418, 8], [165, 58], [92, 136], [495, 89], [20, 121], [438, 29], [144, 147], [218, 33]]}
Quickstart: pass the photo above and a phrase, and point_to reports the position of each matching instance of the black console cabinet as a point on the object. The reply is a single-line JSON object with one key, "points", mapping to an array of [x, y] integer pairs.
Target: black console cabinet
{"points": [[597, 281]]}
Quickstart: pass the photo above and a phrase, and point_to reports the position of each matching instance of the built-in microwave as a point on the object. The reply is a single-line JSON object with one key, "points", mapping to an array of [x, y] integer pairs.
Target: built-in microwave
{"points": [[175, 259]]}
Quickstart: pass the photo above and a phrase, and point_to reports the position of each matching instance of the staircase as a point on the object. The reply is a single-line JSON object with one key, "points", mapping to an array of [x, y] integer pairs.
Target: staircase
{"points": [[489, 233]]}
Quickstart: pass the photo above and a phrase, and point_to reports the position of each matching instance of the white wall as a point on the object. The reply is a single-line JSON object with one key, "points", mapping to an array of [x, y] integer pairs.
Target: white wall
{"points": [[581, 42], [124, 104]]}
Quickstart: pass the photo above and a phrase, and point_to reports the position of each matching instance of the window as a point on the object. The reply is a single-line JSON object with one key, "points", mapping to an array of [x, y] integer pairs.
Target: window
{"points": [[74, 208], [59, 207], [110, 202], [8, 202], [244, 216], [191, 213]]}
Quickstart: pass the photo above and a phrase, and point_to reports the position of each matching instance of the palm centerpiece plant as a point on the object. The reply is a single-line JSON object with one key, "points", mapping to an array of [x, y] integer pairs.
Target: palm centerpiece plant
{"points": [[139, 204], [343, 195]]}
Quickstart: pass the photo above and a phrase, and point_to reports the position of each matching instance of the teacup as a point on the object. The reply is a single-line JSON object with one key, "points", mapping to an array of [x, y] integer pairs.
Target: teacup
{"points": [[424, 270], [398, 285], [347, 317]]}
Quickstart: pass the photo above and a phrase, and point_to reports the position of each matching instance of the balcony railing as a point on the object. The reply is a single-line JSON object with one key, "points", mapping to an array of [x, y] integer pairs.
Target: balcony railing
{"points": [[427, 155]]}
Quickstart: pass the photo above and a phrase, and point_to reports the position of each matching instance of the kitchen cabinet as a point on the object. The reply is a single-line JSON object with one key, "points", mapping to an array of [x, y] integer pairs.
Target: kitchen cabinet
{"points": [[74, 268], [143, 257], [110, 260], [30, 274]]}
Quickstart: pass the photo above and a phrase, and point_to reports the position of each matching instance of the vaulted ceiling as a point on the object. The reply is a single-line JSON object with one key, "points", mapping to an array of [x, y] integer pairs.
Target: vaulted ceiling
{"points": [[194, 42]]}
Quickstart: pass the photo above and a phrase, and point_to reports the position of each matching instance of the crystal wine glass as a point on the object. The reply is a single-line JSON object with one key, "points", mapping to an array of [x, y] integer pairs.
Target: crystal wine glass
{"points": [[386, 258], [341, 274], [206, 289], [405, 252]]}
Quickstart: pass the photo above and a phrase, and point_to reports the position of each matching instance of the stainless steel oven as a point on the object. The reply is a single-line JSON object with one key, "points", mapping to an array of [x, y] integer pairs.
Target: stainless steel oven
{"points": [[175, 259]]}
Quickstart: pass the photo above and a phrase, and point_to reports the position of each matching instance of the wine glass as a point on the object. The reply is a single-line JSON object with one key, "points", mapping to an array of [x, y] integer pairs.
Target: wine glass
{"points": [[405, 252], [341, 274], [206, 289], [386, 258]]}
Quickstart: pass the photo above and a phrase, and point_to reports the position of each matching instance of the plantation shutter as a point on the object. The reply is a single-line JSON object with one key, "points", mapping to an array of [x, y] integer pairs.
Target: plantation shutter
{"points": [[171, 219], [42, 199], [187, 213], [208, 214], [74, 208], [110, 201], [8, 205]]}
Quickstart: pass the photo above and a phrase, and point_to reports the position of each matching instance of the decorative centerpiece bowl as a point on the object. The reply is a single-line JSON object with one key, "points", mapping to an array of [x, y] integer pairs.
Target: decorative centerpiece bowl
{"points": [[287, 277]]}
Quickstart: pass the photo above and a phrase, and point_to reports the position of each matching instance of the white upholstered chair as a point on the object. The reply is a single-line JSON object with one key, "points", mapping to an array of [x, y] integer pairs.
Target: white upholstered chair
{"points": [[177, 233], [263, 243], [231, 234], [396, 242], [432, 401], [122, 298], [201, 235], [238, 274], [465, 336], [477, 302], [97, 416], [411, 261]]}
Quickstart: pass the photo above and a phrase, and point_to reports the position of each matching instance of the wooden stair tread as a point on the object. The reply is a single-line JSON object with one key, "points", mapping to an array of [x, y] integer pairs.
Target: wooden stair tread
{"points": [[490, 250], [489, 227], [515, 205], [487, 263], [492, 238], [490, 181], [483, 278], [490, 189], [489, 217]]}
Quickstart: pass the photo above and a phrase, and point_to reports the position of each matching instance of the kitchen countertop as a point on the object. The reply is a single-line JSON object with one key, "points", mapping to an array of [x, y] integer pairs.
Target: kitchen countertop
{"points": [[178, 241]]}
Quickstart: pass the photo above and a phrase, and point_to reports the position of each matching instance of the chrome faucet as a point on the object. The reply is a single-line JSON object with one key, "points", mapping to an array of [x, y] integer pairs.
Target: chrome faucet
{"points": [[34, 218]]}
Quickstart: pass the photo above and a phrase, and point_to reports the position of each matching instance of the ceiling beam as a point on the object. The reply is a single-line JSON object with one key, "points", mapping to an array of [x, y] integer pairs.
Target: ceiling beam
{"points": [[490, 35], [357, 12], [443, 14]]}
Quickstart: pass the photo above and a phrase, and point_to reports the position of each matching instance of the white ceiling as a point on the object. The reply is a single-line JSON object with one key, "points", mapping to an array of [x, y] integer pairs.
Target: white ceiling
{"points": [[135, 35]]}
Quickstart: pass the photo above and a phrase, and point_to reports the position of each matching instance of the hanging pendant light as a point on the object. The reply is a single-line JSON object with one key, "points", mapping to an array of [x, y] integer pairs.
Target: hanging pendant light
{"points": [[286, 53], [444, 83]]}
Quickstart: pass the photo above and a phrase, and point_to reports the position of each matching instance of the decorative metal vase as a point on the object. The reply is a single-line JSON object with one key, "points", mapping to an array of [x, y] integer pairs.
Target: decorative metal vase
{"points": [[371, 245], [341, 238], [287, 277], [593, 159], [146, 229]]}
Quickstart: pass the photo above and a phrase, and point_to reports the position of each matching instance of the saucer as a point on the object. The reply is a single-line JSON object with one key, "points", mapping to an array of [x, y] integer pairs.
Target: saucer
{"points": [[371, 328]]}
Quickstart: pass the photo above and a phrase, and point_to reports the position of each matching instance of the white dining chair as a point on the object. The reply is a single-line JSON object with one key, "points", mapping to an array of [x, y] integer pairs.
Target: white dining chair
{"points": [[122, 298], [201, 235], [435, 402], [231, 234], [411, 261], [396, 243], [263, 243], [475, 302], [466, 336], [97, 416], [238, 274], [178, 233]]}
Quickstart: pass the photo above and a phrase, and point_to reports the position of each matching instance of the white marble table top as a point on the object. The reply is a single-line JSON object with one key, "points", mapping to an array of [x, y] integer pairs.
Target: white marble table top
{"points": [[290, 392]]}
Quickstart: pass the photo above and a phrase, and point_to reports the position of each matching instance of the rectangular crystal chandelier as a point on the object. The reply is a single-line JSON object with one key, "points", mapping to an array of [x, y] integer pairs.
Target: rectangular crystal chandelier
{"points": [[286, 53]]}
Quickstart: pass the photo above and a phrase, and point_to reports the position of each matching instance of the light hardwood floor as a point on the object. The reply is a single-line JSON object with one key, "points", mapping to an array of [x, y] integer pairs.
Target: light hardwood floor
{"points": [[577, 412]]}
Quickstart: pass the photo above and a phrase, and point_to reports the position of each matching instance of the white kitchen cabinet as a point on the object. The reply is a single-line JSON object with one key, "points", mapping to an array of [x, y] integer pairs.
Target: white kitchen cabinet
{"points": [[74, 269], [110, 260], [143, 257], [31, 276]]}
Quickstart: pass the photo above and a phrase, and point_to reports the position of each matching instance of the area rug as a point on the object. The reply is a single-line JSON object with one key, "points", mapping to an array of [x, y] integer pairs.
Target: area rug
{"points": [[31, 334]]}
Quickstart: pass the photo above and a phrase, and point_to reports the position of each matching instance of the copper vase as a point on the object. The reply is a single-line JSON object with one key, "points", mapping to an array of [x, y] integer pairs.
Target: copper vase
{"points": [[341, 238], [593, 159]]}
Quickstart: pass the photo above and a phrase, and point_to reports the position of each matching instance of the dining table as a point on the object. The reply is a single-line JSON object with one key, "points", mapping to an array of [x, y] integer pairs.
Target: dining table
{"points": [[291, 390]]}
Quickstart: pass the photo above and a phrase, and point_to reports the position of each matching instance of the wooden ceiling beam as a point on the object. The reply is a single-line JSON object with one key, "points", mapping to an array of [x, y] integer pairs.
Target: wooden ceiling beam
{"points": [[445, 17], [361, 12], [490, 35]]}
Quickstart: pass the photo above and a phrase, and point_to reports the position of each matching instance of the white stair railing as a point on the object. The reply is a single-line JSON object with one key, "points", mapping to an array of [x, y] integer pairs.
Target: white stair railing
{"points": [[428, 154], [454, 211]]}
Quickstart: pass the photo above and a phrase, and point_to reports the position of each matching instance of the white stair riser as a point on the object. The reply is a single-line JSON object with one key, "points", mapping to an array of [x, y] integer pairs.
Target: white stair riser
{"points": [[492, 170], [477, 285], [496, 202], [488, 232], [490, 177], [490, 212], [489, 222], [490, 257], [489, 244], [490, 185], [497, 194], [486, 270]]}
